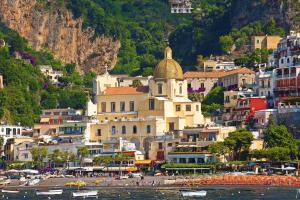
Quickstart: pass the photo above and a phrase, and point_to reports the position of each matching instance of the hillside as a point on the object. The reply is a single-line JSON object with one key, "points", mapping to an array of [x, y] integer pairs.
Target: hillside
{"points": [[26, 91], [90, 32]]}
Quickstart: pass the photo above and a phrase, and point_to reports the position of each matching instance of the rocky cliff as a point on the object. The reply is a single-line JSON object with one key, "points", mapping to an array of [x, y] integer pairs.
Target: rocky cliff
{"points": [[53, 28], [285, 12]]}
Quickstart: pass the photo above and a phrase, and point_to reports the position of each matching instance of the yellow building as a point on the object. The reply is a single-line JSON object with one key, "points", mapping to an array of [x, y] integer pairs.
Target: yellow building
{"points": [[265, 42], [139, 114]]}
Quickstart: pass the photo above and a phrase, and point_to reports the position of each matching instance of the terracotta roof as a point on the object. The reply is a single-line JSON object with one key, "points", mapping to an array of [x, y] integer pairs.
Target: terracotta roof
{"points": [[126, 90], [214, 74], [217, 74]]}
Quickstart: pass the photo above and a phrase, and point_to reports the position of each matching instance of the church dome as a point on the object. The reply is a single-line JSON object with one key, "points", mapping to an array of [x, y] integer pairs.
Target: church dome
{"points": [[168, 68]]}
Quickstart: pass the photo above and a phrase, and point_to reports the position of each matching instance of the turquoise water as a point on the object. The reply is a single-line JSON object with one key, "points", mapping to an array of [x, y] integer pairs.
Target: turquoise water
{"points": [[220, 192]]}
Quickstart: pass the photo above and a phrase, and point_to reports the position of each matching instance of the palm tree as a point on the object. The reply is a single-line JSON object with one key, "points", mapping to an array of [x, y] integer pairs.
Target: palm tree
{"points": [[83, 152], [121, 157]]}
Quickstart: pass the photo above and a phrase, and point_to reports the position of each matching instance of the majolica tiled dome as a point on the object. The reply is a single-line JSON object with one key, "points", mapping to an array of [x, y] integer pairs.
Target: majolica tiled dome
{"points": [[168, 68]]}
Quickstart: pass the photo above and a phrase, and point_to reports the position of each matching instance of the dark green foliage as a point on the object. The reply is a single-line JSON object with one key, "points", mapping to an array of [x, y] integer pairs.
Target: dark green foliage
{"points": [[238, 142], [213, 101], [274, 154]]}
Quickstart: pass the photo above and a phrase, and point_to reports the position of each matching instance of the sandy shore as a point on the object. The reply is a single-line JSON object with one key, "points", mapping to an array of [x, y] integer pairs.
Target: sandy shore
{"points": [[163, 181]]}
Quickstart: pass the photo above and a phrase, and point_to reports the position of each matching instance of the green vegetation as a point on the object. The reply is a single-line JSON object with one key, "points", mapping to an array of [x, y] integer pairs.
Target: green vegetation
{"points": [[237, 145], [38, 156], [179, 165], [213, 101], [27, 91]]}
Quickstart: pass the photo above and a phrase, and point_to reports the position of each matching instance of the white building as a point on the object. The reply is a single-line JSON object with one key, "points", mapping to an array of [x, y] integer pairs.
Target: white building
{"points": [[51, 74], [10, 131], [181, 6], [265, 85]]}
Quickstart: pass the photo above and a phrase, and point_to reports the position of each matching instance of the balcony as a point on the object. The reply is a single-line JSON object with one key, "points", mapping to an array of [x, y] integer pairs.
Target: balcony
{"points": [[199, 90]]}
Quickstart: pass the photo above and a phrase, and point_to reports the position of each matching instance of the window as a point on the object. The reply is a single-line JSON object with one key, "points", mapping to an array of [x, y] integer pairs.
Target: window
{"points": [[288, 60], [257, 41], [98, 132], [262, 83], [269, 93], [160, 146], [151, 104], [189, 85], [159, 87], [148, 129], [113, 106], [113, 130], [227, 99], [202, 85], [178, 108], [122, 106], [269, 83], [188, 108], [180, 89], [134, 129], [26, 155], [197, 107], [131, 106], [103, 107], [170, 145], [123, 129]]}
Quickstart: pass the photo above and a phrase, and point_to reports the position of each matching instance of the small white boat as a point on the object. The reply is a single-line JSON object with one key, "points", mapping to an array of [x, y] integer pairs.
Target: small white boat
{"points": [[33, 182], [50, 192], [88, 193], [10, 191], [193, 193]]}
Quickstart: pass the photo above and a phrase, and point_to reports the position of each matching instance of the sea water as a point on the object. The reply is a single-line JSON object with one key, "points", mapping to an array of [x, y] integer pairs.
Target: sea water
{"points": [[213, 192]]}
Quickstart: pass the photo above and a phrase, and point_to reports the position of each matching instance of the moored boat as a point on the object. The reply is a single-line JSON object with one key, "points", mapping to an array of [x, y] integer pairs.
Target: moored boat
{"points": [[33, 182], [193, 193], [50, 192], [10, 191], [88, 193]]}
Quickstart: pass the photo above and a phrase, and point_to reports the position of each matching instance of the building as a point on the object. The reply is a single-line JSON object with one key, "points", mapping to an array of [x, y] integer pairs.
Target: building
{"points": [[287, 71], [18, 149], [246, 108], [181, 6], [139, 114], [202, 82], [52, 119], [265, 42], [216, 64], [265, 85], [106, 80], [237, 78], [261, 118], [52, 75]]}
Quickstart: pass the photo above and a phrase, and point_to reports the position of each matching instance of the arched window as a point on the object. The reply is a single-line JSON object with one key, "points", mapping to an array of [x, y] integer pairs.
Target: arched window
{"points": [[113, 130], [180, 89], [160, 89], [134, 129], [123, 129]]}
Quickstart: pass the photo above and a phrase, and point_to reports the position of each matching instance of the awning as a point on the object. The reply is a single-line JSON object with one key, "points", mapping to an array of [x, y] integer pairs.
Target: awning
{"points": [[143, 162], [44, 120]]}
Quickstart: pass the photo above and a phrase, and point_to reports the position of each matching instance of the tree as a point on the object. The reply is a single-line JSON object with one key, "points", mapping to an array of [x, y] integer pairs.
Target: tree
{"points": [[226, 43], [55, 157], [102, 160], [67, 157], [195, 96], [83, 152], [70, 68], [238, 141], [277, 136], [278, 154], [218, 148], [38, 155], [136, 83]]}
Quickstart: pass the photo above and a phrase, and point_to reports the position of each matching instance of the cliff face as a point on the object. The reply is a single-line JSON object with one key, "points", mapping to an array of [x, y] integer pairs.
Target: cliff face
{"points": [[285, 12], [53, 28]]}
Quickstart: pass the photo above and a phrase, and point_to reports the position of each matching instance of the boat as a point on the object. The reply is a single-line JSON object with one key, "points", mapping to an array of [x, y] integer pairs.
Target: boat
{"points": [[50, 192], [193, 193], [10, 191], [88, 193], [33, 182]]}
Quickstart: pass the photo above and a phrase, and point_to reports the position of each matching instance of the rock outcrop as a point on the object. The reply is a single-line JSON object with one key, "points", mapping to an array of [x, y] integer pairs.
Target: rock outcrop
{"points": [[285, 12], [53, 28]]}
